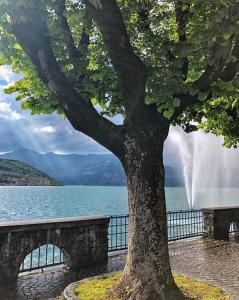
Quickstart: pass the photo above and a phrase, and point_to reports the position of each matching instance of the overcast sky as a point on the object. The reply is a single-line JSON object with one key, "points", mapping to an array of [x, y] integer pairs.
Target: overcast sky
{"points": [[43, 133], [51, 133]]}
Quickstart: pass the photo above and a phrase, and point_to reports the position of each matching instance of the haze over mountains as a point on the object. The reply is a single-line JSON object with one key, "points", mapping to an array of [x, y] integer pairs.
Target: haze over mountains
{"points": [[91, 169]]}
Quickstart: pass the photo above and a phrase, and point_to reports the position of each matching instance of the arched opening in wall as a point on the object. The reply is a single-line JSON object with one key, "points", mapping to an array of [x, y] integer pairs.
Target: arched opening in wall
{"points": [[234, 231], [33, 283], [48, 255]]}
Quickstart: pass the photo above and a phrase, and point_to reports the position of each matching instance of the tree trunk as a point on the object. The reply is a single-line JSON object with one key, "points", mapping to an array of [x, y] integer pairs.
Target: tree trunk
{"points": [[147, 274]]}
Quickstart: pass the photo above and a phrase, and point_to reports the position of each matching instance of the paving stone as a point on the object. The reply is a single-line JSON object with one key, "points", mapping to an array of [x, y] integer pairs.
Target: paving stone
{"points": [[211, 261]]}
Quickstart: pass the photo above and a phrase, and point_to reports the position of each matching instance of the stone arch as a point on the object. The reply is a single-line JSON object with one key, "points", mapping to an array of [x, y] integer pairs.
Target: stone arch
{"points": [[42, 256], [31, 241]]}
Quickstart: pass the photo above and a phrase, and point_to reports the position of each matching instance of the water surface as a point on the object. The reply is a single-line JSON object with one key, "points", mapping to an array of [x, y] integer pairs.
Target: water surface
{"points": [[32, 203], [28, 203]]}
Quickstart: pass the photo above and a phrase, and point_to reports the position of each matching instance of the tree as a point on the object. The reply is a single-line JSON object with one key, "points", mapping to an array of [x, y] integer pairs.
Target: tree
{"points": [[155, 62]]}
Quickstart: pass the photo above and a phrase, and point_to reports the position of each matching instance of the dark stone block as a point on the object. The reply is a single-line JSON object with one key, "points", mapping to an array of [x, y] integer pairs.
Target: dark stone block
{"points": [[217, 221]]}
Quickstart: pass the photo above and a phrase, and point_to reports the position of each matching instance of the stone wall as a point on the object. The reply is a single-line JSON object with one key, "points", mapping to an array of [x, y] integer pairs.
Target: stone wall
{"points": [[217, 221], [84, 242]]}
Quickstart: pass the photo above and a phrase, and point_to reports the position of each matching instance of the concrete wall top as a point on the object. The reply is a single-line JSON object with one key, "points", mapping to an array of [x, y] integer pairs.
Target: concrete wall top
{"points": [[52, 223], [215, 209]]}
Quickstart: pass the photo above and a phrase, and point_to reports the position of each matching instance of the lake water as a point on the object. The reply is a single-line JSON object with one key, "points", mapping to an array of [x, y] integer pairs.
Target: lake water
{"points": [[32, 203], [28, 203]]}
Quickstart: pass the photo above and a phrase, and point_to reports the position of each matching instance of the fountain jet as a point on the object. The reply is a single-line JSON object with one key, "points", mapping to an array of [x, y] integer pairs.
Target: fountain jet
{"points": [[210, 171]]}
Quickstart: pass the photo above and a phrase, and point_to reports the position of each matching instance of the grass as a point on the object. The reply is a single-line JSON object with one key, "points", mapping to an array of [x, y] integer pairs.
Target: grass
{"points": [[98, 289], [199, 290]]}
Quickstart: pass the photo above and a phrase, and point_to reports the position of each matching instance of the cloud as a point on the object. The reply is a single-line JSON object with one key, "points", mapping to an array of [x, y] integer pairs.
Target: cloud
{"points": [[7, 113], [52, 133], [43, 133], [46, 129], [7, 76]]}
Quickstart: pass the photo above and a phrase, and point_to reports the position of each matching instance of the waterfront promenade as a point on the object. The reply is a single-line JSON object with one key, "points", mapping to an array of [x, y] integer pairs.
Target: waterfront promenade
{"points": [[215, 262]]}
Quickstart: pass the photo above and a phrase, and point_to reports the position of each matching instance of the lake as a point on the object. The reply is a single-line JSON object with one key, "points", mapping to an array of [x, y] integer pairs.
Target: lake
{"points": [[28, 203], [32, 203]]}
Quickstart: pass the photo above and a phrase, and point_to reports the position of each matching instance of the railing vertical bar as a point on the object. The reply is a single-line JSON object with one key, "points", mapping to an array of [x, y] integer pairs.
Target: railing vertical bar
{"points": [[125, 230], [111, 230], [116, 232], [121, 232], [61, 256], [53, 255], [39, 256], [46, 255], [31, 260]]}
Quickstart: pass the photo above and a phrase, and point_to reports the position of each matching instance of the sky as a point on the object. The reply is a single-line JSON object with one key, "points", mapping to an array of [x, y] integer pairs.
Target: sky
{"points": [[42, 133], [52, 133]]}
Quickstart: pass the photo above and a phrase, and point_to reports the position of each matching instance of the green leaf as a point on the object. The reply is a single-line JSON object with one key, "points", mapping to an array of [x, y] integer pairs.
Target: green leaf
{"points": [[176, 102], [25, 105], [155, 40], [202, 96], [168, 113], [148, 100]]}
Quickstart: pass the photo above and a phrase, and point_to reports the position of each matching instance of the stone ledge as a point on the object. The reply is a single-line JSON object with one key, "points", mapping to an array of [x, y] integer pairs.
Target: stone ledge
{"points": [[51, 223], [226, 208]]}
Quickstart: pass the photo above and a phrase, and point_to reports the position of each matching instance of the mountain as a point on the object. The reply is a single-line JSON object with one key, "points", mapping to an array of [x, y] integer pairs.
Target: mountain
{"points": [[13, 172], [90, 169]]}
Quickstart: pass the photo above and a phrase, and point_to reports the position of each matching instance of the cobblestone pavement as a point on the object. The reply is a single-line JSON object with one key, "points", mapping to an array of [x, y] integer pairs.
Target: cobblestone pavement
{"points": [[215, 262], [51, 283]]}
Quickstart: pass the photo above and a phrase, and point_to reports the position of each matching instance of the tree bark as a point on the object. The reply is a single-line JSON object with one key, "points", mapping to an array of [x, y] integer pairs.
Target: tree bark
{"points": [[147, 274], [138, 143]]}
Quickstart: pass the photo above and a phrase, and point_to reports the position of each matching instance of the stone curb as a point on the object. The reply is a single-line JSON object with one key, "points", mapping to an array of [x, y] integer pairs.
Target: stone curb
{"points": [[69, 291], [69, 294]]}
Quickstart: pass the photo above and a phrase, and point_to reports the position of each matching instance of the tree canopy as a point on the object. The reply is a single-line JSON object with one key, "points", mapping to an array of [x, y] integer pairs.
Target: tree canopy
{"points": [[156, 62], [190, 49]]}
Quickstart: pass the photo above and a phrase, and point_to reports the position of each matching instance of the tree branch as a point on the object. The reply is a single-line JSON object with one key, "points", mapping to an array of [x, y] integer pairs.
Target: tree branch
{"points": [[232, 68], [213, 71], [220, 54], [33, 36], [182, 11], [70, 45], [77, 54], [130, 70], [218, 68], [186, 101]]}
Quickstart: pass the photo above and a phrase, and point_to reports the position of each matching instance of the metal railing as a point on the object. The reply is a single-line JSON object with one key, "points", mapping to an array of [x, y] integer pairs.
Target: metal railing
{"points": [[184, 224], [180, 224], [118, 232], [45, 256]]}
